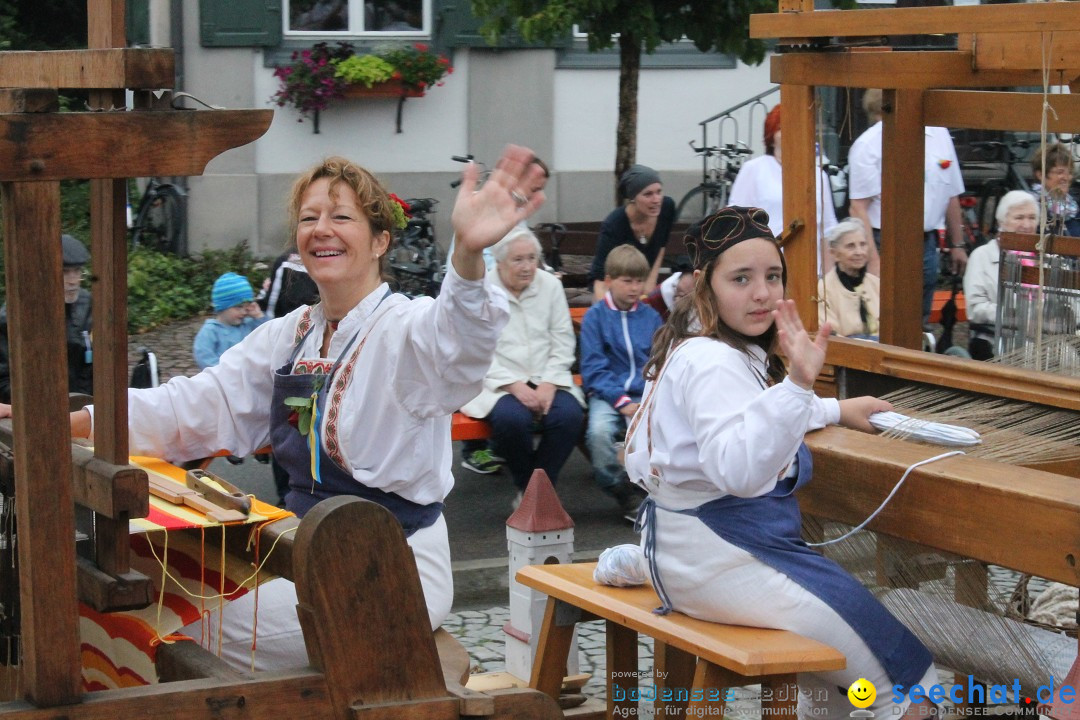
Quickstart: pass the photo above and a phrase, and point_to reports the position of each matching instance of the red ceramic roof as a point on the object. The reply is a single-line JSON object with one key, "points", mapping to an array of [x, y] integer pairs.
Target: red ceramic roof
{"points": [[540, 509]]}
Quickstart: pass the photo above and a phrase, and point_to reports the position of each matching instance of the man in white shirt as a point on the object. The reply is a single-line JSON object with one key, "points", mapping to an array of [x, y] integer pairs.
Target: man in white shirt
{"points": [[942, 186]]}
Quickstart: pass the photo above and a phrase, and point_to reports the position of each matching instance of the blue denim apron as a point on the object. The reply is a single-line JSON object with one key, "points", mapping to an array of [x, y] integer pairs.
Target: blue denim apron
{"points": [[769, 527], [292, 451]]}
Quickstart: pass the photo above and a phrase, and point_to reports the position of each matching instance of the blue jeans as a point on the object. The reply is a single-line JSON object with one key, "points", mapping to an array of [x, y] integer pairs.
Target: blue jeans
{"points": [[606, 426], [512, 428], [931, 265]]}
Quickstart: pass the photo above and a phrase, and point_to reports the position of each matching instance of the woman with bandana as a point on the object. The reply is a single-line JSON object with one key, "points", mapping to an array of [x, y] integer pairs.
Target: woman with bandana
{"points": [[644, 221], [718, 444]]}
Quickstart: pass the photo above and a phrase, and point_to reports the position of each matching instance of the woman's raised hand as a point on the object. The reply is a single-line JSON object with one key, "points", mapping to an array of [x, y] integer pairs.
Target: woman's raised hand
{"points": [[482, 217], [805, 356]]}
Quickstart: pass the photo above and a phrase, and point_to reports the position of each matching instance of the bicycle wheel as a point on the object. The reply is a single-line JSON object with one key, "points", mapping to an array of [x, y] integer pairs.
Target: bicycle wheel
{"points": [[700, 202], [160, 221], [989, 195]]}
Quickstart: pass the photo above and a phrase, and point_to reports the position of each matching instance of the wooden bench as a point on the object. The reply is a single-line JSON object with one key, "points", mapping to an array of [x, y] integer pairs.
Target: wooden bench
{"points": [[695, 660], [463, 427], [940, 298], [579, 239]]}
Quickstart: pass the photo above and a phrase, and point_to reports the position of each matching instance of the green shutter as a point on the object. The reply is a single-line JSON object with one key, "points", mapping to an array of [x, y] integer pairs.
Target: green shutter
{"points": [[240, 23], [137, 19], [456, 26]]}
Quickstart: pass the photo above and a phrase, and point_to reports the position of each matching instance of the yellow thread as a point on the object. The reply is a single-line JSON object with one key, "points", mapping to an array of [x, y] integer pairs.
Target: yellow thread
{"points": [[164, 576], [240, 586]]}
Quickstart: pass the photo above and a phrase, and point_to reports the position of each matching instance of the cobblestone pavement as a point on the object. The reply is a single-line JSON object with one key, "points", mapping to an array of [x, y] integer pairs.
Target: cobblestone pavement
{"points": [[480, 631], [172, 345]]}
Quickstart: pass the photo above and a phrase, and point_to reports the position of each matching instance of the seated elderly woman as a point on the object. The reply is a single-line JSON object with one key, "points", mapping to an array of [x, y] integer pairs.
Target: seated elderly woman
{"points": [[849, 298], [1055, 174], [529, 387], [1016, 212]]}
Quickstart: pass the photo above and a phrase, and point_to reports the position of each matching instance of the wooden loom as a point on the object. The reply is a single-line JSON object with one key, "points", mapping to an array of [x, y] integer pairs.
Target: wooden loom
{"points": [[1026, 519], [385, 665]]}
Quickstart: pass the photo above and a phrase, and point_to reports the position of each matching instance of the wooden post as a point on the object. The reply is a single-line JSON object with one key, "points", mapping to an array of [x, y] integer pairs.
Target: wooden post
{"points": [[108, 234], [902, 151], [800, 195], [35, 296]]}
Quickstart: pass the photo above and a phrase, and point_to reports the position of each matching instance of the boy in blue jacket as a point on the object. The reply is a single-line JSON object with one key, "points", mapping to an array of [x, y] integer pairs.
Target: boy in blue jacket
{"points": [[616, 338]]}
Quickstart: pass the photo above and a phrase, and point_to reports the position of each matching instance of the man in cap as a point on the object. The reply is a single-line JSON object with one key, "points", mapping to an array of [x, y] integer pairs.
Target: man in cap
{"points": [[77, 312]]}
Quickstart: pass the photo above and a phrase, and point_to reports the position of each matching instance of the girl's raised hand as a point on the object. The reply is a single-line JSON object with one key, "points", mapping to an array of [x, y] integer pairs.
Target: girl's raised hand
{"points": [[805, 355]]}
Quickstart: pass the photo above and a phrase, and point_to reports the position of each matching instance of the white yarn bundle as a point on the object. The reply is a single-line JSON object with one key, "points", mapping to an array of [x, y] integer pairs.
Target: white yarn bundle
{"points": [[622, 566], [906, 427]]}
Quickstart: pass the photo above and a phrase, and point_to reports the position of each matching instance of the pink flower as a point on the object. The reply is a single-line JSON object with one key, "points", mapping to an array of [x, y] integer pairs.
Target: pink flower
{"points": [[421, 47]]}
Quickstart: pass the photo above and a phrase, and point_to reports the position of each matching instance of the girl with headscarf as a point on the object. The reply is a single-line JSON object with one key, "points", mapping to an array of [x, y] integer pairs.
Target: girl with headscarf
{"points": [[718, 444], [644, 221]]}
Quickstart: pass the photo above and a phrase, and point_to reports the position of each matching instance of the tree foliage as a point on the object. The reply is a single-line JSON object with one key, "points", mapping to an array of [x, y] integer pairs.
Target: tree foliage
{"points": [[712, 25], [637, 26]]}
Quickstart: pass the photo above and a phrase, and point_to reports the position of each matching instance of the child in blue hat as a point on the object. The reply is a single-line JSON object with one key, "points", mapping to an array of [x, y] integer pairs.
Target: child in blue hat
{"points": [[237, 315]]}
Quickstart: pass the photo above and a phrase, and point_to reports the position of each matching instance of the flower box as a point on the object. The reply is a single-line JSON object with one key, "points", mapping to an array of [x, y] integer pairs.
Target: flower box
{"points": [[388, 89]]}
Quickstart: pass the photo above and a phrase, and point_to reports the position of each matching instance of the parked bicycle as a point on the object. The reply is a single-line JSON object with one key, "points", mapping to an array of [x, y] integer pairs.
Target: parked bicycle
{"points": [[415, 260], [1009, 168], [159, 220], [717, 178]]}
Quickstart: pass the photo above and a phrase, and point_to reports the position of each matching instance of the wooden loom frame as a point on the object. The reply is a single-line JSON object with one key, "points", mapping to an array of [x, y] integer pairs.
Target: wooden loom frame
{"points": [[1025, 519]]}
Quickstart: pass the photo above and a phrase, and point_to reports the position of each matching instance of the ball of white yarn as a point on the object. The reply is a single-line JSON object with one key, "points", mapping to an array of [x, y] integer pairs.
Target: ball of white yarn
{"points": [[622, 566]]}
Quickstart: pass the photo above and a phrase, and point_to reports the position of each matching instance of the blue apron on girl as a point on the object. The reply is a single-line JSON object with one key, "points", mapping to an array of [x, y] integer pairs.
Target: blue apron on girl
{"points": [[293, 450], [769, 527]]}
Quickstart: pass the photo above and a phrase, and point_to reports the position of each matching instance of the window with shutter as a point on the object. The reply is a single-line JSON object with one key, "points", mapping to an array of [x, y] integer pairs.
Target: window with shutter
{"points": [[240, 23]]}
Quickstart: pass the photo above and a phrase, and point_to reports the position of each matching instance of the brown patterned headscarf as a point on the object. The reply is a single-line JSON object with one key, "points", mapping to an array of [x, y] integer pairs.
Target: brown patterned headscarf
{"points": [[706, 240]]}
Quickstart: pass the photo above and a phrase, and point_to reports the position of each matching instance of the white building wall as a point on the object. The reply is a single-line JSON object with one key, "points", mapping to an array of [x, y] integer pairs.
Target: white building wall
{"points": [[567, 115], [671, 103]]}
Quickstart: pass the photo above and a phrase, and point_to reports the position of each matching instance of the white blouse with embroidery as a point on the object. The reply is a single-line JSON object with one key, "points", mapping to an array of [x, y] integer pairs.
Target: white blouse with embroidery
{"points": [[390, 425]]}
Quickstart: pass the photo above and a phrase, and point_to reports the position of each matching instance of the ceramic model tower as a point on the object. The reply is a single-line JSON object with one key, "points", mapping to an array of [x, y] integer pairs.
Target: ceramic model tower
{"points": [[538, 533]]}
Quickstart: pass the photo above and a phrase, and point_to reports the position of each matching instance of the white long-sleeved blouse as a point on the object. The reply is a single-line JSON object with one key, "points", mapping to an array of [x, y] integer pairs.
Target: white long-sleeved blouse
{"points": [[422, 360], [717, 430], [537, 344]]}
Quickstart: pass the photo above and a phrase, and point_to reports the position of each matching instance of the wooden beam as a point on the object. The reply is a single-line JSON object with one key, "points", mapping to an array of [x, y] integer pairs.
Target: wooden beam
{"points": [[43, 499], [299, 694], [1050, 389], [800, 195], [108, 236], [1001, 110], [902, 153], [122, 144], [1028, 51], [1061, 17], [135, 68], [1057, 244], [887, 69], [107, 488], [19, 100], [1023, 519]]}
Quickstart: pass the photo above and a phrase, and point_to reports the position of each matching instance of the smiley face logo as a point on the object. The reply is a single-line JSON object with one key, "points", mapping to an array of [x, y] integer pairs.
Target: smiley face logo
{"points": [[862, 693]]}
